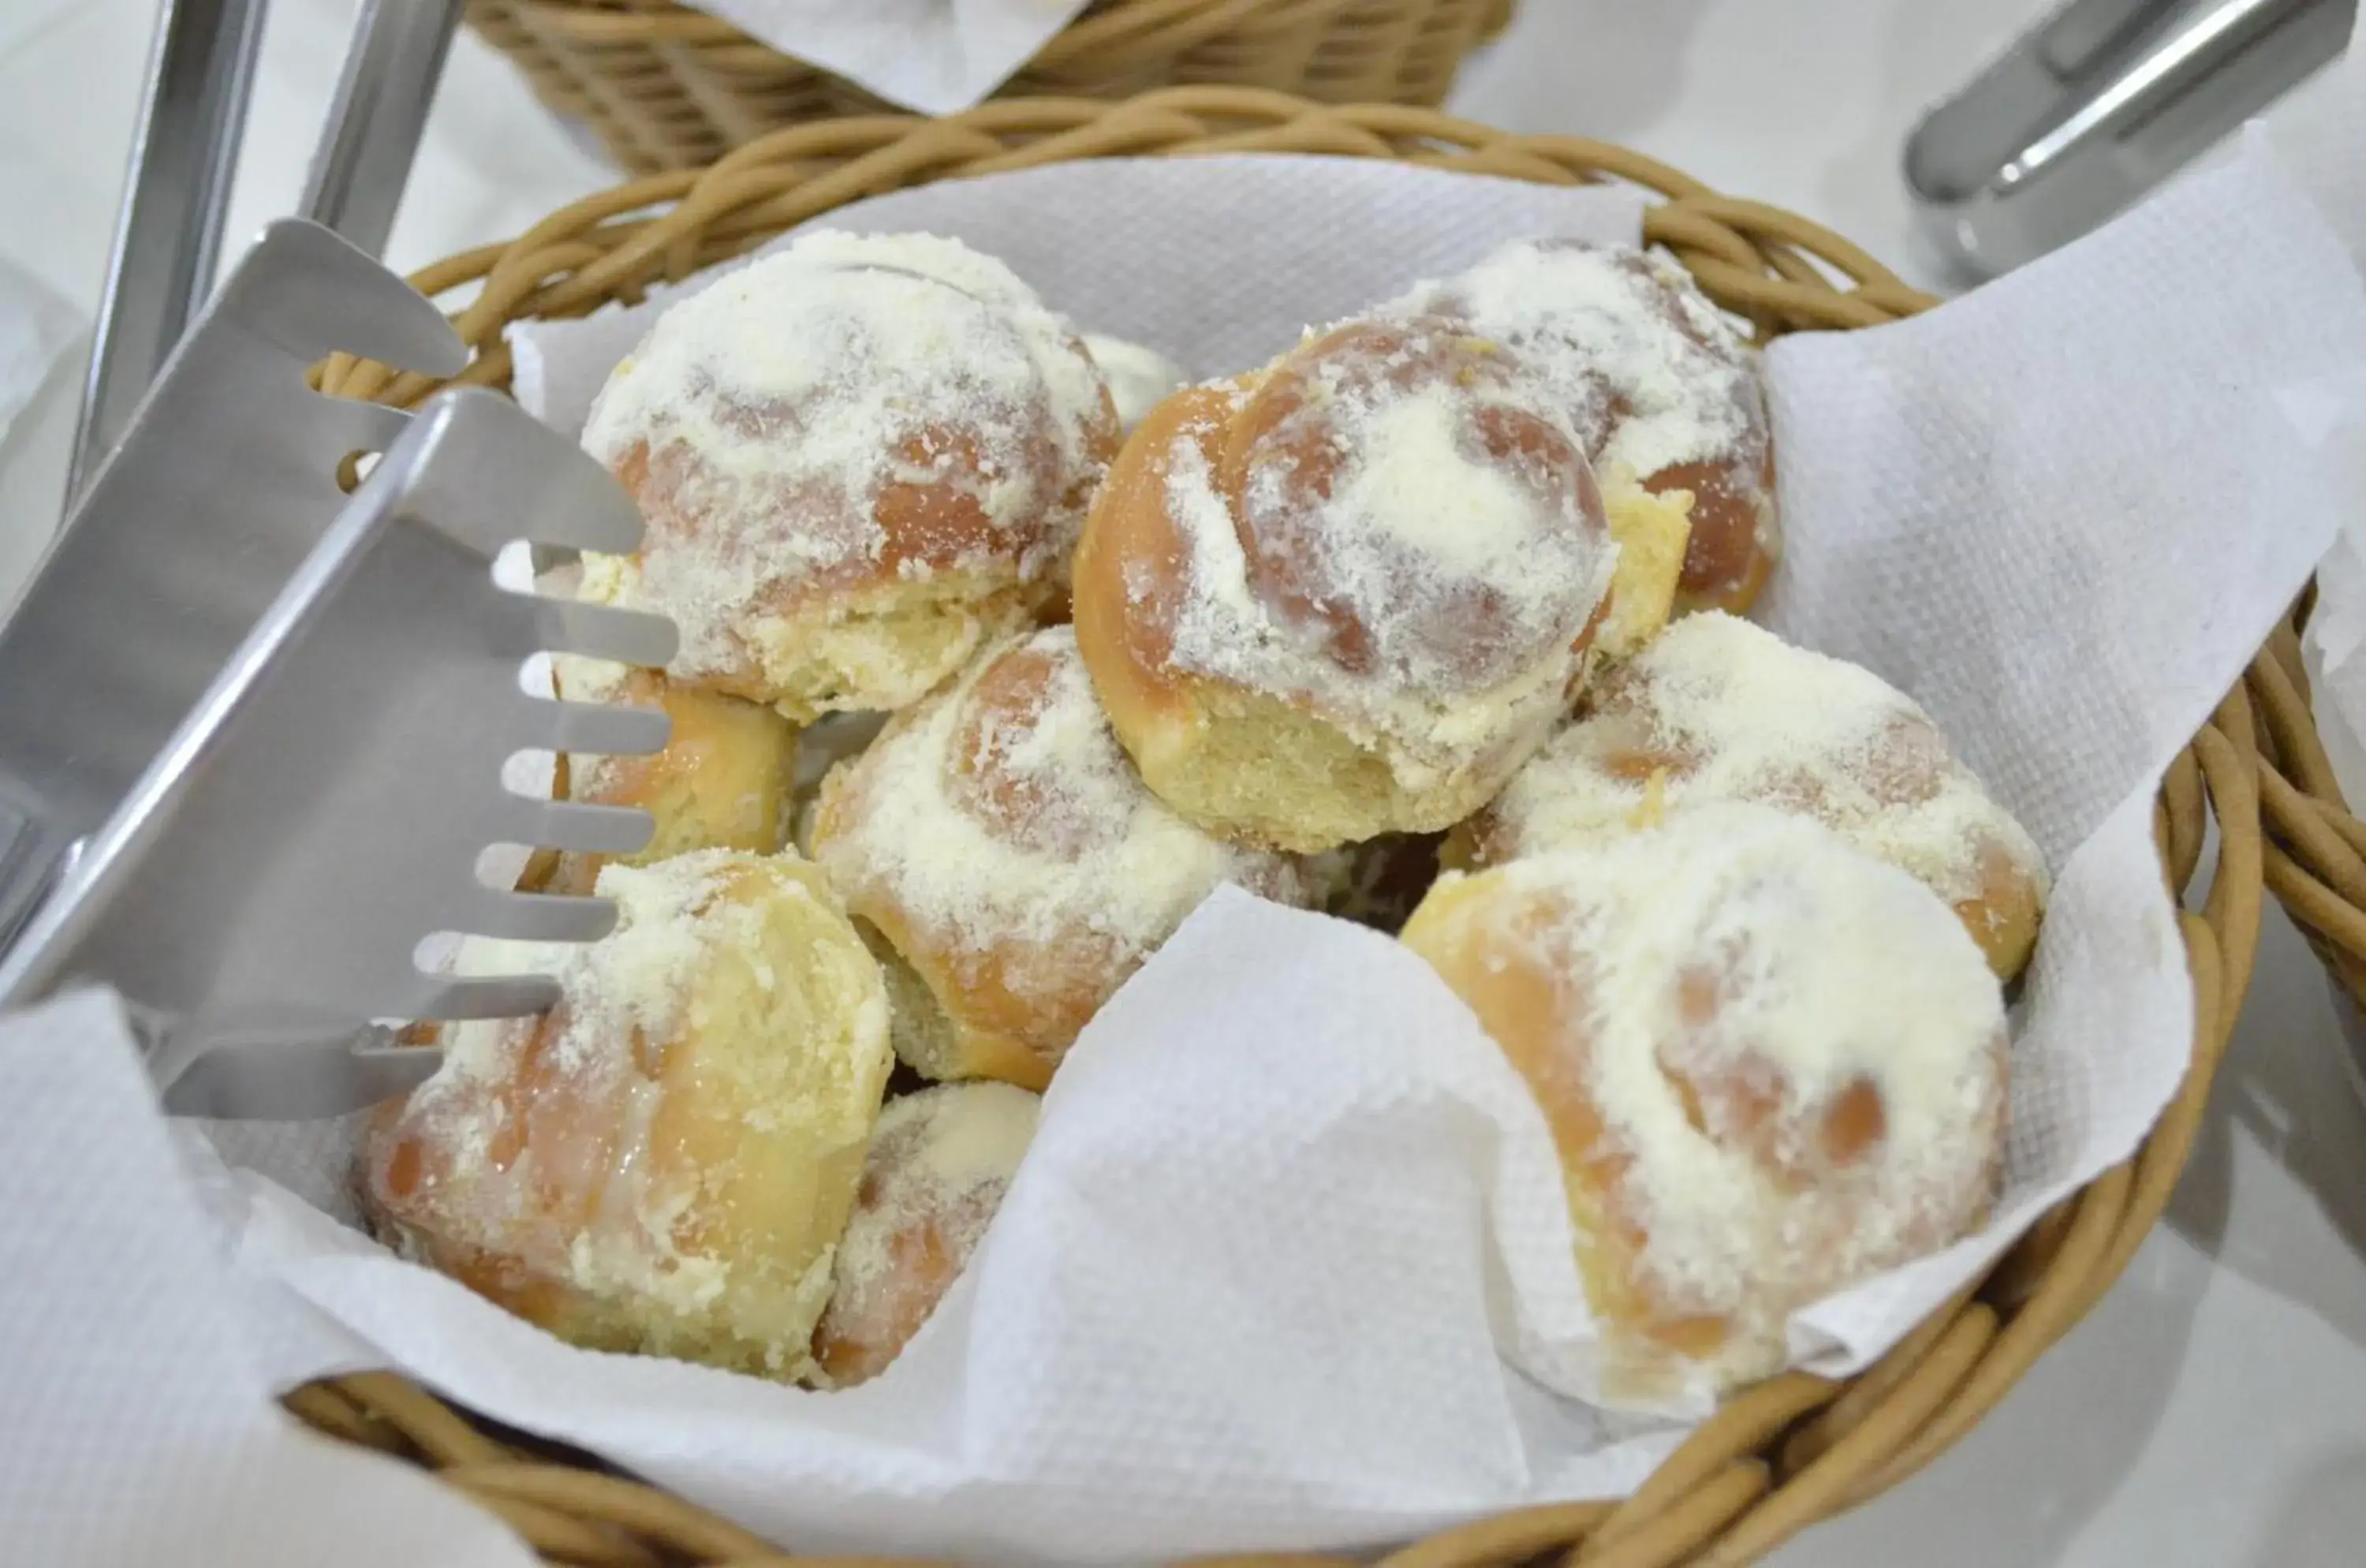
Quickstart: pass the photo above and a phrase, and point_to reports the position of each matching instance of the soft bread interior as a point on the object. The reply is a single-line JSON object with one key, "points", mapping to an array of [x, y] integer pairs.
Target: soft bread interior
{"points": [[677, 1189], [883, 647], [766, 1102], [1255, 768], [1651, 531], [723, 782], [923, 1036]]}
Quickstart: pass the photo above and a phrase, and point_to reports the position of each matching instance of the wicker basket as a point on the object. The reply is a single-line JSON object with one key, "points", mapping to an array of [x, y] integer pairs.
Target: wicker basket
{"points": [[1776, 1457], [665, 86], [2315, 856]]}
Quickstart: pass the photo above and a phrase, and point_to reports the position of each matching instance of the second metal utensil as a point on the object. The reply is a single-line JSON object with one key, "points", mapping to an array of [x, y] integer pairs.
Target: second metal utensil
{"points": [[2097, 105]]}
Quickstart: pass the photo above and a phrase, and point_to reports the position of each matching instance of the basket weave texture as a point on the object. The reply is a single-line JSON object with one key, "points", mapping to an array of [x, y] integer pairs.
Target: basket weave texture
{"points": [[664, 86], [1774, 1459], [2314, 857]]}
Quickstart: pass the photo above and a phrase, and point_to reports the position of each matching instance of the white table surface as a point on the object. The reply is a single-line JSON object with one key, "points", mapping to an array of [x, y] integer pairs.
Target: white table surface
{"points": [[2213, 1410]]}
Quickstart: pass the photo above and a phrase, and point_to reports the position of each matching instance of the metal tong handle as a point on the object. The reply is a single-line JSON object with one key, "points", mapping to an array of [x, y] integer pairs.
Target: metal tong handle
{"points": [[2102, 101], [2198, 44], [185, 155]]}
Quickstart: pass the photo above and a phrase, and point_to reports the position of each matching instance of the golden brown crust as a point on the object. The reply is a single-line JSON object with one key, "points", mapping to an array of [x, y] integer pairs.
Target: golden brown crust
{"points": [[672, 1188], [1130, 567], [1337, 727], [858, 460], [1010, 867], [939, 1166], [722, 782], [1679, 726], [1530, 950], [1734, 510]]}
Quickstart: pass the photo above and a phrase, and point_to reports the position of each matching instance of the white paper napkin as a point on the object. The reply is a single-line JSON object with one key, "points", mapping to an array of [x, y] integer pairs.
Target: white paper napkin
{"points": [[1288, 1264], [137, 1423], [936, 56], [2320, 135]]}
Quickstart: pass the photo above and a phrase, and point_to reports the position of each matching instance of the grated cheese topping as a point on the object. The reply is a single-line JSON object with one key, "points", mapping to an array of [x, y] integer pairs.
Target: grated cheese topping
{"points": [[544, 1131]]}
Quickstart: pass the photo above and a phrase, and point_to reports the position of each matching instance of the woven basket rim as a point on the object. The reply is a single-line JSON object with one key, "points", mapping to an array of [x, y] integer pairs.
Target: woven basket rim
{"points": [[1778, 1457]]}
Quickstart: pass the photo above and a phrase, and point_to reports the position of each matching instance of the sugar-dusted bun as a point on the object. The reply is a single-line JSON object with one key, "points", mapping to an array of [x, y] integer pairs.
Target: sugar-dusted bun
{"points": [[1720, 709], [1773, 1067], [939, 1166], [1347, 596], [1010, 868], [1660, 388], [722, 782], [666, 1160], [860, 460]]}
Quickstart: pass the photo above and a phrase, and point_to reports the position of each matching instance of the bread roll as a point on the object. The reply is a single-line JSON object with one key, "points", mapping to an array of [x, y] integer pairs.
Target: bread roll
{"points": [[841, 737], [1772, 1066], [665, 1161], [938, 1169], [722, 781], [860, 460], [1718, 709], [1660, 388], [1349, 596], [1009, 867]]}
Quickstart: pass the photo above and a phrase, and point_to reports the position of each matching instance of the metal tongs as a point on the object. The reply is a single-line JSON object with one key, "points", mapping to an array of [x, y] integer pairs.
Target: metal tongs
{"points": [[252, 731], [261, 894], [185, 155], [2101, 102]]}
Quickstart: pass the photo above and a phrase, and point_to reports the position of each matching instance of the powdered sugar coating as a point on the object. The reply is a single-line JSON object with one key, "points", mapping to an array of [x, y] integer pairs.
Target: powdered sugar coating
{"points": [[1775, 1066], [1720, 709], [938, 1167], [1660, 388], [1001, 826], [1392, 529], [575, 1167], [855, 410]]}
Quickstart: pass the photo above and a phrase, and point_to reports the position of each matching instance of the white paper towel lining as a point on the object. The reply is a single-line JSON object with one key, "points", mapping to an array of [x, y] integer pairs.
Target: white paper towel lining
{"points": [[136, 1426], [2320, 134], [1287, 1265]]}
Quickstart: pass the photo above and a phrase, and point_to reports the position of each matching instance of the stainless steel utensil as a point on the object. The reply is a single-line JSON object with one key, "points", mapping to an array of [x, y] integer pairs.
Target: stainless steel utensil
{"points": [[225, 480], [261, 895], [185, 155], [168, 232], [375, 120], [2100, 103]]}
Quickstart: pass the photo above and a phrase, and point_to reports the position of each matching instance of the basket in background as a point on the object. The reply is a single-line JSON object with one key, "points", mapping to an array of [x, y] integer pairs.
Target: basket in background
{"points": [[1778, 1457], [666, 86]]}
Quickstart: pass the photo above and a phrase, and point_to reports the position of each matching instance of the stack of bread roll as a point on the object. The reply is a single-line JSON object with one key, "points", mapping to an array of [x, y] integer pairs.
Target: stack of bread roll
{"points": [[1001, 652]]}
